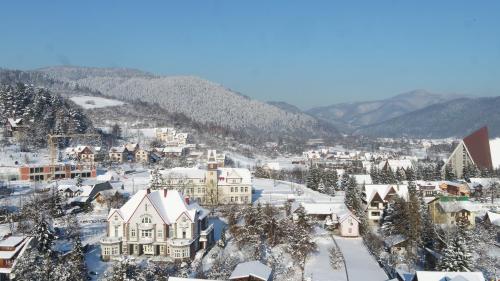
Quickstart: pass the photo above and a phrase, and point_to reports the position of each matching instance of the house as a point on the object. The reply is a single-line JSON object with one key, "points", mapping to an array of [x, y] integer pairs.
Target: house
{"points": [[118, 154], [90, 191], [448, 276], [173, 151], [157, 223], [69, 190], [348, 224], [11, 248], [142, 155], [455, 188], [210, 186], [396, 244], [377, 196], [473, 150], [448, 210], [492, 218], [428, 189], [44, 172], [81, 152], [480, 186], [214, 157], [14, 127], [131, 150], [251, 271]]}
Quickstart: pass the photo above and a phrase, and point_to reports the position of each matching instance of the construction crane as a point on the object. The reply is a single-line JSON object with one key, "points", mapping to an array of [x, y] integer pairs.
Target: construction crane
{"points": [[53, 142]]}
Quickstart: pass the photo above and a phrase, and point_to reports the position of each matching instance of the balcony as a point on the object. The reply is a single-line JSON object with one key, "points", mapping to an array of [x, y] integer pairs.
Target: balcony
{"points": [[146, 226], [146, 240], [110, 240]]}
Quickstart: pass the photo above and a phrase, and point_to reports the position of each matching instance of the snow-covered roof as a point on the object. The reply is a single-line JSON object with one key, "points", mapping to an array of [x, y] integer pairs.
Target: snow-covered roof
{"points": [[456, 206], [170, 204], [131, 146], [394, 240], [179, 172], [395, 164], [251, 268], [14, 122], [494, 218], [449, 276], [117, 149], [371, 190], [322, 208], [173, 149], [172, 278], [345, 214], [235, 173], [13, 241], [71, 187], [363, 179]]}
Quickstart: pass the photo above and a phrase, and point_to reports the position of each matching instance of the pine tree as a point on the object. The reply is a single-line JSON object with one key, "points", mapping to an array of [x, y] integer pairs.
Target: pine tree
{"points": [[344, 181], [428, 235], [331, 179], [448, 174], [374, 174], [79, 180], [321, 186], [44, 237], [387, 222], [457, 254], [313, 178], [155, 179]]}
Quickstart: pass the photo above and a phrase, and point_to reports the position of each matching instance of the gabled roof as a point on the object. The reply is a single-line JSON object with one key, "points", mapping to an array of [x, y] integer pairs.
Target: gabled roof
{"points": [[169, 207], [478, 146], [251, 268], [494, 218], [343, 215], [456, 206], [373, 191]]}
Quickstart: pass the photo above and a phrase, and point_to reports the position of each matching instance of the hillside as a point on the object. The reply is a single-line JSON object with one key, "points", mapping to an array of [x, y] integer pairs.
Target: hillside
{"points": [[455, 118], [199, 99], [353, 115]]}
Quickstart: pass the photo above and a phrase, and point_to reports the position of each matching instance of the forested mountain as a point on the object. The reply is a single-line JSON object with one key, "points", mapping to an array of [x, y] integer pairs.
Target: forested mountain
{"points": [[349, 116], [200, 100], [456, 118], [42, 112]]}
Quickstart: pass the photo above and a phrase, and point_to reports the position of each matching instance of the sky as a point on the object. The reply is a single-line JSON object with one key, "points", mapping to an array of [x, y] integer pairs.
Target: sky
{"points": [[307, 53]]}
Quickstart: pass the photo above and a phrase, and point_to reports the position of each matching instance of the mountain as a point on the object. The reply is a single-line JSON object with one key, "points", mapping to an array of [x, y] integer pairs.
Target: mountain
{"points": [[349, 116], [199, 99], [455, 118], [285, 106]]}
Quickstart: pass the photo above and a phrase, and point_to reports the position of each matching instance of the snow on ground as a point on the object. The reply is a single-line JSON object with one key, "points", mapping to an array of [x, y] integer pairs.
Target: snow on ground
{"points": [[89, 102], [278, 192], [94, 262], [245, 162], [360, 263], [317, 267]]}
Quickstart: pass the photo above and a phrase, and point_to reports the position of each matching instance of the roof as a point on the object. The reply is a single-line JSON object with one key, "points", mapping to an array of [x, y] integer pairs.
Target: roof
{"points": [[394, 240], [343, 215], [13, 241], [449, 276], [456, 206], [251, 268], [363, 179], [478, 146], [178, 172], [322, 208], [371, 190], [169, 207], [237, 173], [172, 278], [173, 149], [494, 218], [117, 149]]}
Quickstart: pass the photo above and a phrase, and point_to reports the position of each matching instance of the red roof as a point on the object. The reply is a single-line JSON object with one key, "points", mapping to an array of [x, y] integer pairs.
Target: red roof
{"points": [[478, 144]]}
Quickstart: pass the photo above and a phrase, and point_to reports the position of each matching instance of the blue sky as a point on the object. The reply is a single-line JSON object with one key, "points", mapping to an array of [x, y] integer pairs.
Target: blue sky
{"points": [[308, 53]]}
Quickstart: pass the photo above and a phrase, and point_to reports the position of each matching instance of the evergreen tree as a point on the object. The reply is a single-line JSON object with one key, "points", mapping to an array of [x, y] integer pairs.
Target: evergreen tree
{"points": [[331, 179], [400, 175], [155, 180], [374, 174], [457, 254], [387, 222], [321, 186], [313, 178], [43, 236], [448, 174], [344, 181], [79, 180]]}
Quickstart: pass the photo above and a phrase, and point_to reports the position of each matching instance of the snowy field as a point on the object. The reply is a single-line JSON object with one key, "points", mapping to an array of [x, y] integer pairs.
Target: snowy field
{"points": [[89, 102], [318, 266], [278, 192], [245, 162], [360, 264]]}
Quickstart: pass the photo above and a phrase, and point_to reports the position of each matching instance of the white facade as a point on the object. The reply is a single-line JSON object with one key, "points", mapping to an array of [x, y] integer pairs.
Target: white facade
{"points": [[158, 223]]}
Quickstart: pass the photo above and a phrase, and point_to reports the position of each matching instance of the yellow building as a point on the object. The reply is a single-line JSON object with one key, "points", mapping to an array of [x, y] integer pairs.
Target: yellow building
{"points": [[448, 210]]}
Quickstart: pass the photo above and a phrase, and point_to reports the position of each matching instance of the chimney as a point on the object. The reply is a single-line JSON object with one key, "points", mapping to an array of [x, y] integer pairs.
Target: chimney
{"points": [[148, 190], [186, 199], [165, 192]]}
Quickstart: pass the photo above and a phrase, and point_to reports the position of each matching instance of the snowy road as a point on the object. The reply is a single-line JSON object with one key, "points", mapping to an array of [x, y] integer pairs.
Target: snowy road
{"points": [[360, 264], [317, 267]]}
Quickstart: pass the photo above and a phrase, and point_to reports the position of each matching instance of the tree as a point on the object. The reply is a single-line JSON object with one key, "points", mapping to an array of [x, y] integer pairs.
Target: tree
{"points": [[79, 180], [330, 179], [313, 178], [43, 236], [321, 186], [374, 174], [344, 181], [457, 254], [336, 258], [155, 180], [449, 175]]}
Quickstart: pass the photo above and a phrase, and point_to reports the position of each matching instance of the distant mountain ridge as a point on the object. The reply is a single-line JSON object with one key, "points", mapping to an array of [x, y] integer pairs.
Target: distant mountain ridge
{"points": [[351, 116], [455, 118], [199, 99]]}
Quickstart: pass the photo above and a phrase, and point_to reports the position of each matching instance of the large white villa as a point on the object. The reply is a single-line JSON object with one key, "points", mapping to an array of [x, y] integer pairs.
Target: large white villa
{"points": [[157, 223]]}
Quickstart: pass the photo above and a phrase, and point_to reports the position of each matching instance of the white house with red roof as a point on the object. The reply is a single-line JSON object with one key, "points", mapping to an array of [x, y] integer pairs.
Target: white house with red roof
{"points": [[157, 223]]}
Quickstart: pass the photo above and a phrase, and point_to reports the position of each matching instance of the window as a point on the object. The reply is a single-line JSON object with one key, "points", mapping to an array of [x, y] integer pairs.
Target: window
{"points": [[146, 219], [246, 188], [107, 252], [116, 230], [132, 232], [147, 233], [171, 232], [160, 233], [114, 251], [375, 213], [236, 199], [184, 233], [241, 189], [374, 204], [232, 199]]}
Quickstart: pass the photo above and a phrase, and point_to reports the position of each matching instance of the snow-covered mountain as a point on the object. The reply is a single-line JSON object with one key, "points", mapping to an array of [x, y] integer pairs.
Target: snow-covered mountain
{"points": [[455, 118], [199, 99], [353, 115]]}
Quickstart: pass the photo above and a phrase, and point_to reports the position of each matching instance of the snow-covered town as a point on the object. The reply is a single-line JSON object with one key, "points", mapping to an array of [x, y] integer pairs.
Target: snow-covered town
{"points": [[249, 141]]}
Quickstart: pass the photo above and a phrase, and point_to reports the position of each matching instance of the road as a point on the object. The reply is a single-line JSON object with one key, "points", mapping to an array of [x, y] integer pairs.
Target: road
{"points": [[360, 264]]}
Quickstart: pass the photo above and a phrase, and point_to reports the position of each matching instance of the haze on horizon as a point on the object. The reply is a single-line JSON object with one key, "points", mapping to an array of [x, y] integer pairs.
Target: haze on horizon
{"points": [[302, 53]]}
